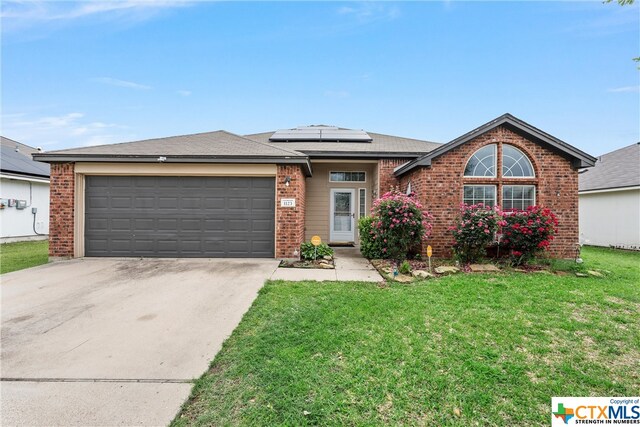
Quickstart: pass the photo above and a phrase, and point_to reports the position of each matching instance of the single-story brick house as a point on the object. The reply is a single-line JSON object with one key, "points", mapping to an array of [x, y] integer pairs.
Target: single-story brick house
{"points": [[219, 194]]}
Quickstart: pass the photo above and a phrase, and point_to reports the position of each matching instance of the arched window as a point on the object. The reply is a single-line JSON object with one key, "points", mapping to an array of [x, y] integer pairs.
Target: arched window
{"points": [[515, 164], [482, 163]]}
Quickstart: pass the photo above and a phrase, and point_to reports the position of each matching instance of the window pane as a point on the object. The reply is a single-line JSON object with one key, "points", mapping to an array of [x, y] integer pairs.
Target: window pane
{"points": [[468, 192], [518, 196], [515, 163], [482, 162], [363, 202], [347, 176], [474, 194]]}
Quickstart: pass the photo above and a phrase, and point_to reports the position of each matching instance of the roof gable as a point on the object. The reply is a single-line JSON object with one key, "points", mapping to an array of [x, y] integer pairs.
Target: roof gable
{"points": [[579, 158]]}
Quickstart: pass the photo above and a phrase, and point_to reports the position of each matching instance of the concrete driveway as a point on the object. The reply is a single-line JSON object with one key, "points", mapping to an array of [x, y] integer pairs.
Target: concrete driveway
{"points": [[116, 341]]}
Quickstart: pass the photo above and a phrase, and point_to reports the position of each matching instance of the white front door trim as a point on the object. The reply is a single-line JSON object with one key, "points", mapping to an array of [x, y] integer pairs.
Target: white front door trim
{"points": [[342, 235]]}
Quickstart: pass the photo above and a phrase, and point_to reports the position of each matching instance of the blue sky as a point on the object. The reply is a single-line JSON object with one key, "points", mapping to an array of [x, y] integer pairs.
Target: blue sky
{"points": [[85, 73]]}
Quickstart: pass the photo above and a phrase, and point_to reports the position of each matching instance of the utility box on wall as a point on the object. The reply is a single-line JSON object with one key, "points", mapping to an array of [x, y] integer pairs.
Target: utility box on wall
{"points": [[21, 204]]}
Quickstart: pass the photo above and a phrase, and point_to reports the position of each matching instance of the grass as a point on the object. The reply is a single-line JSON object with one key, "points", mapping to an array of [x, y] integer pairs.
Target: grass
{"points": [[461, 350], [16, 256]]}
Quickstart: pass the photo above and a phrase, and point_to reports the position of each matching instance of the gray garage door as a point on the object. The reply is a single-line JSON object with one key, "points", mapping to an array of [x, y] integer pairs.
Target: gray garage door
{"points": [[179, 216]]}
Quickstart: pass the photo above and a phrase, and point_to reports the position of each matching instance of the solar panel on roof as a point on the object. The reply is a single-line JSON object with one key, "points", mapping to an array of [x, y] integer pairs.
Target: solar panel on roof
{"points": [[320, 133]]}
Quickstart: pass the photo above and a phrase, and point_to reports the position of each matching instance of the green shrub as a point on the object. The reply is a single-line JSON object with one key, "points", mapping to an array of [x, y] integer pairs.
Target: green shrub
{"points": [[474, 230], [310, 252], [528, 232], [369, 247], [399, 224], [405, 267]]}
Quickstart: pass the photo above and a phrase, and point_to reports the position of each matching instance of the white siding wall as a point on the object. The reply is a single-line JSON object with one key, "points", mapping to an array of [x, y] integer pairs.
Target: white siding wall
{"points": [[19, 222], [611, 218]]}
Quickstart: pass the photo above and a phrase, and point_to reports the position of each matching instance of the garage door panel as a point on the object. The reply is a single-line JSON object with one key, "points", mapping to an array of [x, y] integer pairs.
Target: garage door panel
{"points": [[179, 216], [121, 224], [258, 225]]}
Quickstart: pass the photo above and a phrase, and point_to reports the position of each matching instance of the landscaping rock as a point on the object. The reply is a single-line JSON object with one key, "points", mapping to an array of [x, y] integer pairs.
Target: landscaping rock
{"points": [[594, 273], [582, 275], [421, 274], [483, 268], [325, 266], [327, 257], [403, 278], [445, 269]]}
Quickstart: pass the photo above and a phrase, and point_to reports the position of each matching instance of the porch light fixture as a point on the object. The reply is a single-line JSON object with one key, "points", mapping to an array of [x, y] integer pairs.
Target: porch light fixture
{"points": [[287, 180]]}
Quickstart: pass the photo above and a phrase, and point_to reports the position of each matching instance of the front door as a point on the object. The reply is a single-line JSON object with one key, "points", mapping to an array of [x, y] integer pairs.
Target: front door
{"points": [[342, 219]]}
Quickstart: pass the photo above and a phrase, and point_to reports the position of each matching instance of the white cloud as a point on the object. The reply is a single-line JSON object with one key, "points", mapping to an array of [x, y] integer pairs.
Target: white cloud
{"points": [[633, 89], [62, 131], [366, 12], [121, 83], [17, 14], [183, 92]]}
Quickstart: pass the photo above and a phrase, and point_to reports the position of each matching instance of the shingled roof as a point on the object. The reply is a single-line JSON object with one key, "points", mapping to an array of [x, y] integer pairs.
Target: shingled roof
{"points": [[381, 145], [617, 169], [210, 147], [15, 159]]}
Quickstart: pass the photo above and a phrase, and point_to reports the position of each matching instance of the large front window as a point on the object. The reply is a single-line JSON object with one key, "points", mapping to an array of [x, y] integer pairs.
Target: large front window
{"points": [[499, 170]]}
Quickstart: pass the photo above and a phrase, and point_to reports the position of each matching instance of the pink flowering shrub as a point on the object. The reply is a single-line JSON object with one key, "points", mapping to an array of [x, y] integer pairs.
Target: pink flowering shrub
{"points": [[475, 230], [528, 232], [399, 224]]}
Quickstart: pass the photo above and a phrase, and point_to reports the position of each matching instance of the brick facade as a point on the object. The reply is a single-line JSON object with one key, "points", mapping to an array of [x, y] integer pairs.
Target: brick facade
{"points": [[440, 188], [290, 221], [61, 213], [386, 179]]}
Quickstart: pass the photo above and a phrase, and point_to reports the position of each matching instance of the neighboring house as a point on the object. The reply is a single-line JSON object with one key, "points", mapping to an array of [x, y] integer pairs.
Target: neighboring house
{"points": [[610, 200], [24, 193], [219, 194]]}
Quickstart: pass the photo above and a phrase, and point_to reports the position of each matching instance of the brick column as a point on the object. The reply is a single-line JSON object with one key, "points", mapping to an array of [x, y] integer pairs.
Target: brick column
{"points": [[61, 210], [290, 221]]}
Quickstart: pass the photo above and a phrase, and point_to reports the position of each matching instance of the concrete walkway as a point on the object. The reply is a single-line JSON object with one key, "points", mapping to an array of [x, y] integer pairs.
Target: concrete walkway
{"points": [[350, 265]]}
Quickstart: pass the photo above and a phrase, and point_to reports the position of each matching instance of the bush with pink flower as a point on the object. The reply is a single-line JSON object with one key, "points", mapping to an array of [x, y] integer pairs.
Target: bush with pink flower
{"points": [[474, 230], [528, 232], [399, 224]]}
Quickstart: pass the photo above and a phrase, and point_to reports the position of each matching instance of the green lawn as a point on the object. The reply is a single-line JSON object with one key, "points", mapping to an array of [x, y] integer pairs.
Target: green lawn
{"points": [[16, 256], [461, 350]]}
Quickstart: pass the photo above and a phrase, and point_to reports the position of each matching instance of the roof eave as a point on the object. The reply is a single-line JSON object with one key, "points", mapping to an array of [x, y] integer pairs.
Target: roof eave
{"points": [[54, 158]]}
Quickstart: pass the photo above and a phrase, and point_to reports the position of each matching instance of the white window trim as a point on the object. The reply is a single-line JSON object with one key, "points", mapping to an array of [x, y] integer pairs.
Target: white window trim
{"points": [[495, 169], [535, 192], [348, 182], [525, 156], [360, 191], [495, 187]]}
